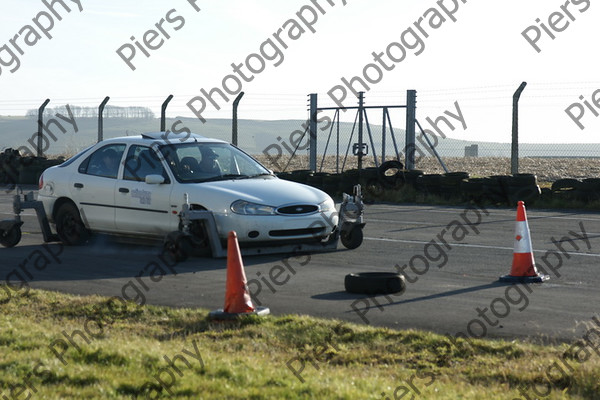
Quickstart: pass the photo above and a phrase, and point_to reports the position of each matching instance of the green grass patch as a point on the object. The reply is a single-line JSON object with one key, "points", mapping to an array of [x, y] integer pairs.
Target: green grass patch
{"points": [[70, 347]]}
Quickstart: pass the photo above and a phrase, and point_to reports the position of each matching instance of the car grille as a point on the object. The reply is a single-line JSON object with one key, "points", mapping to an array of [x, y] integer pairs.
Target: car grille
{"points": [[297, 232], [298, 209]]}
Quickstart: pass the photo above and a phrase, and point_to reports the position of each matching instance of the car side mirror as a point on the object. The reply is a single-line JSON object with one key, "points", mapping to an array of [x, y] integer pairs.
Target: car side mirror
{"points": [[154, 179]]}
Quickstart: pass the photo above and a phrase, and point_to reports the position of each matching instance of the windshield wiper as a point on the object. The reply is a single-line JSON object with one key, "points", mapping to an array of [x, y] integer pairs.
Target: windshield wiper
{"points": [[225, 177], [261, 174]]}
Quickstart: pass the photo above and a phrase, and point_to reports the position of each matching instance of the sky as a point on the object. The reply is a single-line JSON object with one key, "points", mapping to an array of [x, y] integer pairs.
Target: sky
{"points": [[464, 58]]}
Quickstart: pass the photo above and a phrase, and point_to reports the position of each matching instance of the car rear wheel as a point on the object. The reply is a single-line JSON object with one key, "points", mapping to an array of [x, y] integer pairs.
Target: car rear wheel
{"points": [[69, 226]]}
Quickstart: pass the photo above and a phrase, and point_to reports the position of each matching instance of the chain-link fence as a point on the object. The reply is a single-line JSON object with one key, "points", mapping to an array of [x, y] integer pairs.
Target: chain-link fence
{"points": [[274, 129]]}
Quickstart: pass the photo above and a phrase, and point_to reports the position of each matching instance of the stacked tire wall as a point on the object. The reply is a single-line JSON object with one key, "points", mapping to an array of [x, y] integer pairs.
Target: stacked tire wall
{"points": [[16, 169], [497, 189]]}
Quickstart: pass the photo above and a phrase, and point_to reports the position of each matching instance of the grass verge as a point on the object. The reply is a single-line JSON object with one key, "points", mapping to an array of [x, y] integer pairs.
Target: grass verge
{"points": [[127, 351]]}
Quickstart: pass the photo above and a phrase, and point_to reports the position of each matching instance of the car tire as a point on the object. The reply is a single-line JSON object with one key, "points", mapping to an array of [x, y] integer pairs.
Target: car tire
{"points": [[177, 246], [566, 184], [352, 239], [199, 242], [69, 226], [391, 180], [524, 180], [373, 283], [10, 237]]}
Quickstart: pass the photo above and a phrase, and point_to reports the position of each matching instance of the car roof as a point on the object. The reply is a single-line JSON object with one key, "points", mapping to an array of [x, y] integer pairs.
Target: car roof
{"points": [[164, 138]]}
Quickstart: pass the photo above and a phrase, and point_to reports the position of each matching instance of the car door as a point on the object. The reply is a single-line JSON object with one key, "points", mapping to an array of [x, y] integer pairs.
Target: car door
{"points": [[93, 186], [141, 207]]}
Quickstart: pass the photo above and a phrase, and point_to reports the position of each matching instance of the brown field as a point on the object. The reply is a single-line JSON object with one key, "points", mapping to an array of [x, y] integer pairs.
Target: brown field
{"points": [[546, 169]]}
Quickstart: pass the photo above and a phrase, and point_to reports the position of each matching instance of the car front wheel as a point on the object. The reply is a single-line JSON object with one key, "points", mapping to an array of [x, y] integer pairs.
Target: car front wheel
{"points": [[69, 226]]}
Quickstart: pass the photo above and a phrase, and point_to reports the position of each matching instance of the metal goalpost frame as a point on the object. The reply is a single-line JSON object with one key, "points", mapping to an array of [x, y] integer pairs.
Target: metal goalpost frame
{"points": [[362, 118]]}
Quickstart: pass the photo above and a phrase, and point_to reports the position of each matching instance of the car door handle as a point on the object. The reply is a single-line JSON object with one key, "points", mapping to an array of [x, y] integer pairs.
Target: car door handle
{"points": [[78, 185], [123, 190]]}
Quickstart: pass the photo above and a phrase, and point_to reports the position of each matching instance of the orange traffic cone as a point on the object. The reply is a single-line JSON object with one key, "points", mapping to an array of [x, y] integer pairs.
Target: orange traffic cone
{"points": [[523, 267], [237, 297]]}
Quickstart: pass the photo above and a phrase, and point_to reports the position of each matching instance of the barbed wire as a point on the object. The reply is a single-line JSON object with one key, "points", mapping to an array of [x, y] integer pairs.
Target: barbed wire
{"points": [[550, 94]]}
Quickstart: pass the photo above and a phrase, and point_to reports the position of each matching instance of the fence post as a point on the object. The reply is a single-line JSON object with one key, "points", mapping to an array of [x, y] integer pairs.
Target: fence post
{"points": [[383, 135], [514, 150], [41, 127], [163, 113], [411, 108], [234, 121], [361, 104], [101, 119], [313, 133]]}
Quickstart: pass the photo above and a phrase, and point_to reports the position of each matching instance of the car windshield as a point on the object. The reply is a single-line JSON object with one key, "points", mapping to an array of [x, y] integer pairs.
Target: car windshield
{"points": [[205, 162]]}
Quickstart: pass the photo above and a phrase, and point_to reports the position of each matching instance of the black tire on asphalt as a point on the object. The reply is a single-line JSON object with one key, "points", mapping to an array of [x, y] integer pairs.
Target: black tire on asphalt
{"points": [[177, 246], [11, 237], [374, 283], [69, 226], [352, 239]]}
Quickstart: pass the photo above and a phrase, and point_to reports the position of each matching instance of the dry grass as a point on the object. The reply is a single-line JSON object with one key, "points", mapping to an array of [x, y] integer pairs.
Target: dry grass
{"points": [[136, 352], [546, 169]]}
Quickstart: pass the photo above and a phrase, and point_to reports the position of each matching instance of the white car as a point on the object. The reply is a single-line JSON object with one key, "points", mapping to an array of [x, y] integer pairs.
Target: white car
{"points": [[135, 186]]}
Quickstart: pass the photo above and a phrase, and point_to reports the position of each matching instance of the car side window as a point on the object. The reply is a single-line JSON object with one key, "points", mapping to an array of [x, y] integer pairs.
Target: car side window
{"points": [[104, 162], [142, 161]]}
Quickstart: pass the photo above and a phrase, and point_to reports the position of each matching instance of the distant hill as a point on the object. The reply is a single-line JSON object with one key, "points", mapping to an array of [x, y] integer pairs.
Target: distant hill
{"points": [[257, 135]]}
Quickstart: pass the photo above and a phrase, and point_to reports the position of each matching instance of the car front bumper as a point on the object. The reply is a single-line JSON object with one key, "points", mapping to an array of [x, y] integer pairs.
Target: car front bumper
{"points": [[257, 229]]}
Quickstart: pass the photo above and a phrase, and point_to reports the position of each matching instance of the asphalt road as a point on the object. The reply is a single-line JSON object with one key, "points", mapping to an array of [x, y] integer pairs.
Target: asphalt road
{"points": [[453, 283]]}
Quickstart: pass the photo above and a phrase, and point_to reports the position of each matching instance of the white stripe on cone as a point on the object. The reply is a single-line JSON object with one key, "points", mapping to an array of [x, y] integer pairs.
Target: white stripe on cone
{"points": [[522, 238]]}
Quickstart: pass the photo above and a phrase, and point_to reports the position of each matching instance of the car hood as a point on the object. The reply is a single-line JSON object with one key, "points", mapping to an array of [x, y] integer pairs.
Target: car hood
{"points": [[268, 191]]}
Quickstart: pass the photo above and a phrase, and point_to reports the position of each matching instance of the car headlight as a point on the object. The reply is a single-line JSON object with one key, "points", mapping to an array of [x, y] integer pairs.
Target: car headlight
{"points": [[327, 206], [247, 208]]}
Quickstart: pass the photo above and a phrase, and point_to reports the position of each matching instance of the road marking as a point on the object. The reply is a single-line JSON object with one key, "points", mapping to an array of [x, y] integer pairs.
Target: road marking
{"points": [[478, 246], [493, 212], [402, 222]]}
